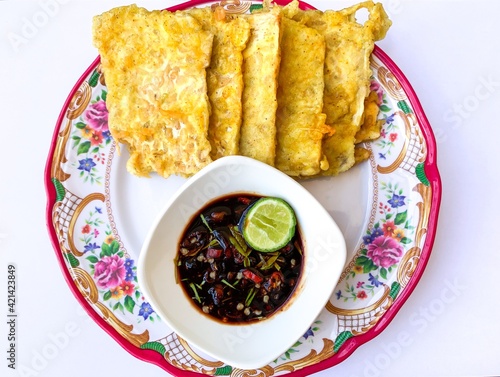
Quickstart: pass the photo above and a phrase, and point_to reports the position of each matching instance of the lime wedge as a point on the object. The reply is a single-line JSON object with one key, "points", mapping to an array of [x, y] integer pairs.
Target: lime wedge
{"points": [[269, 224]]}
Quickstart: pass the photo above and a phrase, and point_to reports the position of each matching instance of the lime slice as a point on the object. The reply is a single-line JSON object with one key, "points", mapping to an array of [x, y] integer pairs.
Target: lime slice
{"points": [[269, 224]]}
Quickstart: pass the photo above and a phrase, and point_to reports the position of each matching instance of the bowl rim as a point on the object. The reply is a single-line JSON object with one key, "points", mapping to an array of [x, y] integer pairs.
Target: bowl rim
{"points": [[298, 303]]}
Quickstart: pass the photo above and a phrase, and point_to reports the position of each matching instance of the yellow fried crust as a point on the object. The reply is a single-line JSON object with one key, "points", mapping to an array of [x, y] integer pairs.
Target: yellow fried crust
{"points": [[346, 74], [371, 126], [224, 79], [261, 60], [300, 123], [282, 85], [154, 64], [361, 154]]}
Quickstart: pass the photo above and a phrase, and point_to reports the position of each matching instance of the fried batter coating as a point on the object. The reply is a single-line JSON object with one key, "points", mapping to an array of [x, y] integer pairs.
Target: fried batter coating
{"points": [[361, 154], [282, 85], [261, 60], [224, 78], [300, 122], [347, 73], [371, 125], [154, 64]]}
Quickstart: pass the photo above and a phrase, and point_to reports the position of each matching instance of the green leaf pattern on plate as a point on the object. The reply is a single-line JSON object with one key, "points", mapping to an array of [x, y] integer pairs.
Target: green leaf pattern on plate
{"points": [[389, 235]]}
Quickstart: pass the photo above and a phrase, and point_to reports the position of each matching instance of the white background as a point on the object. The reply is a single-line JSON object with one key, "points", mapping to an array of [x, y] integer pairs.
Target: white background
{"points": [[450, 326]]}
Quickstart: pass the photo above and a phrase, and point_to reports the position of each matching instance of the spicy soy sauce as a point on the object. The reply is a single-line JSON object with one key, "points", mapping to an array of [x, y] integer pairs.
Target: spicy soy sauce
{"points": [[225, 278]]}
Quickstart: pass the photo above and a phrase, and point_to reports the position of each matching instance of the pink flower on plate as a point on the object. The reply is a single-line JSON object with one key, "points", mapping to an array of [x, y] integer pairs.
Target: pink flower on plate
{"points": [[384, 251], [109, 272], [96, 116], [376, 87]]}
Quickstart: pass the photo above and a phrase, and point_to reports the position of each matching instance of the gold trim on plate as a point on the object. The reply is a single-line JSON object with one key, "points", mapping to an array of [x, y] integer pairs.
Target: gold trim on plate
{"points": [[87, 287], [76, 107]]}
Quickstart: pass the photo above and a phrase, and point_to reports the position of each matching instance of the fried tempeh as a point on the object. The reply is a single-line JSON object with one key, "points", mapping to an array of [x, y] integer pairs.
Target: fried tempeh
{"points": [[261, 60], [371, 125], [224, 78], [176, 100], [300, 123], [347, 73], [154, 64], [361, 154]]}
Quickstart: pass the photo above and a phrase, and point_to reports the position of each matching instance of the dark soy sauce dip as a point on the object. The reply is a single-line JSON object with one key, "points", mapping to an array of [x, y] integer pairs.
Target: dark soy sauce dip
{"points": [[225, 278]]}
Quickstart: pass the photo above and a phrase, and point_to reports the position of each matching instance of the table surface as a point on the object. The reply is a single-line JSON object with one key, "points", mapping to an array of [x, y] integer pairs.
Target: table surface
{"points": [[448, 50]]}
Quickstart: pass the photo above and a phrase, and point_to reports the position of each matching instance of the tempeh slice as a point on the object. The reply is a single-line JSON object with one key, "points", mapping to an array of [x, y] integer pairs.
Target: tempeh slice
{"points": [[224, 78], [261, 60], [154, 64], [347, 73], [300, 123]]}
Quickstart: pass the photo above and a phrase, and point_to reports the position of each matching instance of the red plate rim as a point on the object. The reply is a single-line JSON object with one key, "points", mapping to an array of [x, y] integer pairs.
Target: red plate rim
{"points": [[350, 345]]}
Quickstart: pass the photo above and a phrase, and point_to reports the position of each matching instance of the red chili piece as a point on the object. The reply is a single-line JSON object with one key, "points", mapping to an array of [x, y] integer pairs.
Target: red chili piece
{"points": [[250, 275]]}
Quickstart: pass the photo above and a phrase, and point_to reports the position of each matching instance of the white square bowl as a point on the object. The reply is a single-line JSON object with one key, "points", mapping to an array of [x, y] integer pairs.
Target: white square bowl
{"points": [[248, 345]]}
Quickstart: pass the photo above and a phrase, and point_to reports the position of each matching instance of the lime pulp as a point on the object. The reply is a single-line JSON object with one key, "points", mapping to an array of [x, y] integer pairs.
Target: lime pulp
{"points": [[269, 224]]}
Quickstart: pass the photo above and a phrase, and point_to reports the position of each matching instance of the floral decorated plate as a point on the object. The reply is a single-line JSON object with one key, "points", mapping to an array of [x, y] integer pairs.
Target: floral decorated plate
{"points": [[98, 216]]}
